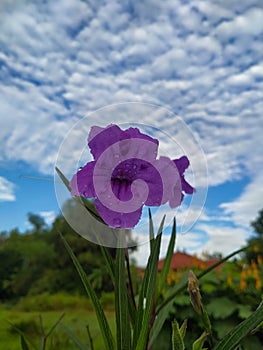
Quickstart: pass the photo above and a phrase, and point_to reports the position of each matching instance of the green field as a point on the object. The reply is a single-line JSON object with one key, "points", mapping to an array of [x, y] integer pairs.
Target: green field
{"points": [[76, 320]]}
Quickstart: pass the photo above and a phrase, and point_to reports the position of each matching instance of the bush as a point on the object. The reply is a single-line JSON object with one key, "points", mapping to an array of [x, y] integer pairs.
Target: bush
{"points": [[47, 302]]}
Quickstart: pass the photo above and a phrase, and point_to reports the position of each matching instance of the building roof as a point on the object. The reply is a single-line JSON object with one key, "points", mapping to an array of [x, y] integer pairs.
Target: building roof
{"points": [[182, 260]]}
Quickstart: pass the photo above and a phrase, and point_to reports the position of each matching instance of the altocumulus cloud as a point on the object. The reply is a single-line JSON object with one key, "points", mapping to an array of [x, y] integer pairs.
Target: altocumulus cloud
{"points": [[6, 190], [201, 59]]}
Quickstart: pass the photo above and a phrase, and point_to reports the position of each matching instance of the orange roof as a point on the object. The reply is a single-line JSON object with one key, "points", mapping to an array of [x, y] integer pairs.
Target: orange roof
{"points": [[182, 260]]}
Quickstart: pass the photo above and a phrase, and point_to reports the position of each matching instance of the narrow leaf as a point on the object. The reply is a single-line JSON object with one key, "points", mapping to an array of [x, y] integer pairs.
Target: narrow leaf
{"points": [[109, 262], [147, 294], [158, 323], [234, 337], [24, 345], [103, 323], [63, 178], [198, 344], [22, 334], [183, 328], [72, 336], [90, 338], [177, 340], [123, 330], [55, 325], [167, 262], [151, 229]]}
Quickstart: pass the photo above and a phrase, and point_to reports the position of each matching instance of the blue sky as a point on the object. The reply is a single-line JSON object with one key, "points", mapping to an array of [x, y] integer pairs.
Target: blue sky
{"points": [[201, 60]]}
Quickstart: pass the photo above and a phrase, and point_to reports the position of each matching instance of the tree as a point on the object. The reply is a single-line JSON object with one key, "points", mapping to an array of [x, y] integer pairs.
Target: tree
{"points": [[37, 222], [258, 224], [256, 241]]}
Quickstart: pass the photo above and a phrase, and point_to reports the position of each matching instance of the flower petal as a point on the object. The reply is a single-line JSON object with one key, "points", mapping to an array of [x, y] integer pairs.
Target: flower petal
{"points": [[102, 138], [186, 187], [114, 219], [182, 164], [82, 182]]}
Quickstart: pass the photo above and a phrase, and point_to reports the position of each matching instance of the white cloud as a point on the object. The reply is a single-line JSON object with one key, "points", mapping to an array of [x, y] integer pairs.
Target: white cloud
{"points": [[251, 23], [245, 208], [48, 216], [70, 65], [222, 238], [210, 237], [6, 190], [202, 60]]}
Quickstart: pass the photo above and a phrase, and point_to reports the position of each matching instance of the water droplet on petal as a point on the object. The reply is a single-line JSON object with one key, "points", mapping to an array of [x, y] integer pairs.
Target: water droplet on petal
{"points": [[117, 156], [134, 166]]}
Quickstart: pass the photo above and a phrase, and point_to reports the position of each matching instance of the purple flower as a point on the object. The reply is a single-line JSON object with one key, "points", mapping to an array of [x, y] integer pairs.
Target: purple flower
{"points": [[125, 175]]}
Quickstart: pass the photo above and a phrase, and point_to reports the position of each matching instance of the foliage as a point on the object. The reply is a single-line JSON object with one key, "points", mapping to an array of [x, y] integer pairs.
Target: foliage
{"points": [[35, 262], [256, 241]]}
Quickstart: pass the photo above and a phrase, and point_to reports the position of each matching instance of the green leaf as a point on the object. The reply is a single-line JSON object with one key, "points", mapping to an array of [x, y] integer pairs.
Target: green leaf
{"points": [[103, 323], [177, 340], [167, 262], [109, 262], [123, 329], [151, 229], [158, 323], [234, 337], [24, 345], [244, 311], [164, 311], [72, 336], [147, 294], [198, 344], [221, 307], [63, 178], [183, 328]]}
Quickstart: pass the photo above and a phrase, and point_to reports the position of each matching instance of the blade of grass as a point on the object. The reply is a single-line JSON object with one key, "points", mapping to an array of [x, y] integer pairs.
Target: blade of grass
{"points": [[22, 334], [90, 338], [55, 325], [103, 323], [24, 345], [146, 295], [72, 336], [123, 330], [234, 337]]}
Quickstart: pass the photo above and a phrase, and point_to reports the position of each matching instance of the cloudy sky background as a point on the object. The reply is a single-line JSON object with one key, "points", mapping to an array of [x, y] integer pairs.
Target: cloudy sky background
{"points": [[201, 60]]}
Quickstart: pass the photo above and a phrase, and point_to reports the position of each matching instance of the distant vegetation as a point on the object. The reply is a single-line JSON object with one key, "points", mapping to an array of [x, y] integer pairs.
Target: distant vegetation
{"points": [[37, 275]]}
